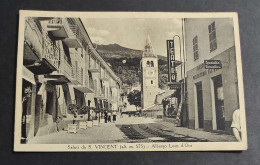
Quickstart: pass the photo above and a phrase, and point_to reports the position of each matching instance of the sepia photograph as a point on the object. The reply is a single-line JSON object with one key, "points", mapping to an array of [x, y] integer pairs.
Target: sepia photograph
{"points": [[129, 81]]}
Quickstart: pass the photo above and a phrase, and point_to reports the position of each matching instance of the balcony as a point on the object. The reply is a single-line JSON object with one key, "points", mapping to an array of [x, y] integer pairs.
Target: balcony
{"points": [[88, 87], [74, 39], [41, 55], [63, 76], [104, 77], [50, 53], [33, 43], [58, 27], [94, 68], [77, 79]]}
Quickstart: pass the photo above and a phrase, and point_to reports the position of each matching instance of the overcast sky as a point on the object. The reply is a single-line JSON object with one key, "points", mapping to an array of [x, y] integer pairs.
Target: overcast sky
{"points": [[132, 32]]}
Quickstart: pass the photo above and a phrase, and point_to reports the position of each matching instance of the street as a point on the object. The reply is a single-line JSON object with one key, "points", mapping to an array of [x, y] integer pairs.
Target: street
{"points": [[132, 130]]}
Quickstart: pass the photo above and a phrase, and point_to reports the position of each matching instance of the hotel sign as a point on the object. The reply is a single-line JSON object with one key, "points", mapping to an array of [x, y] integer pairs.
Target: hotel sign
{"points": [[171, 61], [212, 64]]}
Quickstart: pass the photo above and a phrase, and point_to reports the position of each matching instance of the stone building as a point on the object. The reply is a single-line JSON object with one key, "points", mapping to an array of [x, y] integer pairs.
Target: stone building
{"points": [[62, 67], [212, 94]]}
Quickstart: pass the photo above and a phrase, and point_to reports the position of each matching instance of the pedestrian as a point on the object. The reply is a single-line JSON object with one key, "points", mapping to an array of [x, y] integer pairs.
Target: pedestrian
{"points": [[105, 116], [109, 116], [236, 127], [121, 113], [114, 116]]}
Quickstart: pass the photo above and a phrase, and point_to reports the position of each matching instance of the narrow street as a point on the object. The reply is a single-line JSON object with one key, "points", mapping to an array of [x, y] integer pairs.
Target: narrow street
{"points": [[131, 130]]}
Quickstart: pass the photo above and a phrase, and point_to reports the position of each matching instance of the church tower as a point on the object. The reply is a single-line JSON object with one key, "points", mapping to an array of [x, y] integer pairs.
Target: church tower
{"points": [[149, 68]]}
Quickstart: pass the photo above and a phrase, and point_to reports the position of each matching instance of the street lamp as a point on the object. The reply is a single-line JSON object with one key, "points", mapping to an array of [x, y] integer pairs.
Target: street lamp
{"points": [[182, 59], [180, 51]]}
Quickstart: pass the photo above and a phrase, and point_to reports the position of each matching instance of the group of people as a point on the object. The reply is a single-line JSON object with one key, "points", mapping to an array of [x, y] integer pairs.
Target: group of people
{"points": [[108, 115], [169, 107]]}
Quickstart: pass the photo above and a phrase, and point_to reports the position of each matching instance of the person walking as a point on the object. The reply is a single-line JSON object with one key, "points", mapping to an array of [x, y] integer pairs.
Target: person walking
{"points": [[109, 116], [105, 116], [114, 116]]}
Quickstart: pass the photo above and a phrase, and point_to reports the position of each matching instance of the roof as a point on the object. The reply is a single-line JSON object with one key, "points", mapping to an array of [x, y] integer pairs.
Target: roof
{"points": [[168, 93], [154, 107], [148, 48]]}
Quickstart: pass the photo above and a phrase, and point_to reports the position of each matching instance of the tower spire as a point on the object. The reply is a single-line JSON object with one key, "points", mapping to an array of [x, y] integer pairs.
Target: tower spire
{"points": [[148, 48]]}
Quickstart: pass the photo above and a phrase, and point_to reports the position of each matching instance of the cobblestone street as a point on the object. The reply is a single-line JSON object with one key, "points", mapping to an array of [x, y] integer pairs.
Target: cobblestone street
{"points": [[130, 130]]}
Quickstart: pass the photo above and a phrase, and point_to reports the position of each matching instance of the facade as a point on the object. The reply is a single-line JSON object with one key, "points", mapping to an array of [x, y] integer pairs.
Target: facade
{"points": [[61, 68], [149, 68], [212, 94]]}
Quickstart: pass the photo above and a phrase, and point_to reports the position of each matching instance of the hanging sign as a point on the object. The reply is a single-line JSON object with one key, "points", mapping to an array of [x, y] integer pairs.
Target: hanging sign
{"points": [[212, 64], [171, 61], [174, 85]]}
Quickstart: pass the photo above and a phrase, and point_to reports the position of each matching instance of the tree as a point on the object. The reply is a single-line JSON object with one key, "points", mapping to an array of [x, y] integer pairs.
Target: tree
{"points": [[163, 79], [134, 98]]}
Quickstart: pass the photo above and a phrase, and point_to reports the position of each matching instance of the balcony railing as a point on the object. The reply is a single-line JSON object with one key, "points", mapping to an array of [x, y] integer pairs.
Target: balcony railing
{"points": [[39, 49], [55, 21], [66, 69], [59, 27], [74, 39], [76, 75], [50, 52]]}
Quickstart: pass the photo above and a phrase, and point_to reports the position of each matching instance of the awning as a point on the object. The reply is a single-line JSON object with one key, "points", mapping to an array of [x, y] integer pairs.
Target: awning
{"points": [[57, 79], [84, 89], [28, 75], [164, 95]]}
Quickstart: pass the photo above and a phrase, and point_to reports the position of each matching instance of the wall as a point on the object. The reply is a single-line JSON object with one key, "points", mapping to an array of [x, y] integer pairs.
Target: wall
{"points": [[229, 80], [199, 27], [149, 89]]}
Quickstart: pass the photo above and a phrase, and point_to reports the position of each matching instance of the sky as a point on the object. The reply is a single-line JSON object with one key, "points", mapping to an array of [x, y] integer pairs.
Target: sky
{"points": [[132, 32]]}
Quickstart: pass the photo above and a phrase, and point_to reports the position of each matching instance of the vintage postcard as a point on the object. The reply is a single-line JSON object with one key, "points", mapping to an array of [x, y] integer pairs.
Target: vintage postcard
{"points": [[129, 81]]}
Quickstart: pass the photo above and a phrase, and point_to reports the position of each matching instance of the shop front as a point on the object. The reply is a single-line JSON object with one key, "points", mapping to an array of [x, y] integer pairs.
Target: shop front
{"points": [[213, 94]]}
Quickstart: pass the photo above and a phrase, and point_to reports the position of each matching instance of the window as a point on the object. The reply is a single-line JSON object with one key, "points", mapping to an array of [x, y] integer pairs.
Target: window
{"points": [[195, 48], [212, 37], [82, 52], [148, 63], [151, 81], [152, 65]]}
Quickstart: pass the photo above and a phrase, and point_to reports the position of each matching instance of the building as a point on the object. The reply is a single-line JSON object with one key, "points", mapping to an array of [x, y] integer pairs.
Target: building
{"points": [[212, 94], [61, 67], [149, 68]]}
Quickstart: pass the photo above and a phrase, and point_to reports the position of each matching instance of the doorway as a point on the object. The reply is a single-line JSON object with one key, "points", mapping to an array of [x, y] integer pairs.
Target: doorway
{"points": [[200, 105], [49, 103], [219, 102], [26, 108]]}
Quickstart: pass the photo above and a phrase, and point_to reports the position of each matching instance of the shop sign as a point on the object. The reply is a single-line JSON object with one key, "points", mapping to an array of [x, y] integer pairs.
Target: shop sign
{"points": [[171, 61], [212, 64], [174, 85]]}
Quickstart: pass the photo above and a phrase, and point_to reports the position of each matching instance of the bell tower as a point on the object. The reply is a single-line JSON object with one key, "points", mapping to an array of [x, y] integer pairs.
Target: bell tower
{"points": [[149, 68]]}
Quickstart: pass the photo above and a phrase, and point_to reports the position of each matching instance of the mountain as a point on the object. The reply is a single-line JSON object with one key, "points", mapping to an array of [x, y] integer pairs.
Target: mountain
{"points": [[118, 51], [125, 62]]}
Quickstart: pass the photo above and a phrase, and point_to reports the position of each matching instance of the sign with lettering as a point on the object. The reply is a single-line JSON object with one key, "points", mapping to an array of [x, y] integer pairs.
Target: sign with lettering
{"points": [[212, 64], [174, 85], [171, 61]]}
